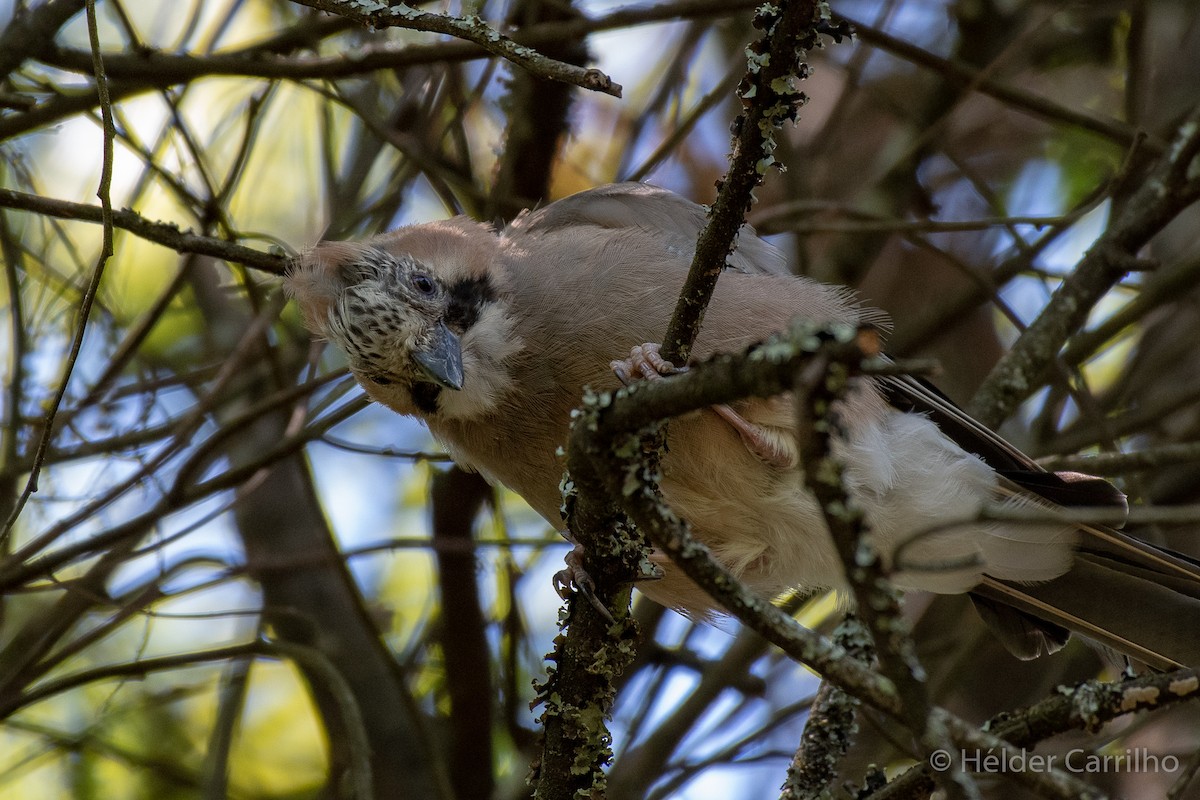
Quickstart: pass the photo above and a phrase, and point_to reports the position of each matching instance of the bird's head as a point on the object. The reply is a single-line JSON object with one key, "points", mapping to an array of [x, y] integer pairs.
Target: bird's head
{"points": [[416, 312]]}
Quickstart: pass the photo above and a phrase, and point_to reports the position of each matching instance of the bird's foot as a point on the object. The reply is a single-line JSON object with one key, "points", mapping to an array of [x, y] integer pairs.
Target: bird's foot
{"points": [[574, 578], [646, 361]]}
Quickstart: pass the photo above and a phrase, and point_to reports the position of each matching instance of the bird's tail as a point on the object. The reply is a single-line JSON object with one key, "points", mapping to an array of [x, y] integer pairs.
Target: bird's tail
{"points": [[1124, 594]]}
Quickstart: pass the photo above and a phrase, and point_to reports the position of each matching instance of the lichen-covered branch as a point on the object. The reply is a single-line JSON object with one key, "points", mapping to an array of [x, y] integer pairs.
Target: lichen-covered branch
{"points": [[472, 29], [1086, 707], [770, 99], [820, 384], [606, 435], [830, 728], [579, 694], [593, 649]]}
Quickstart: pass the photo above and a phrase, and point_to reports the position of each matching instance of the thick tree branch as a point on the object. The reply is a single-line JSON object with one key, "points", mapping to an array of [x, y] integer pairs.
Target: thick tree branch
{"points": [[592, 651], [457, 497], [33, 31], [829, 731], [538, 118]]}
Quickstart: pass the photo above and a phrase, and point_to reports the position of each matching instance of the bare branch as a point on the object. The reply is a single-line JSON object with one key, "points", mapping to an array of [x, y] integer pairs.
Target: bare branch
{"points": [[164, 233], [34, 30], [89, 294], [472, 29], [1166, 190]]}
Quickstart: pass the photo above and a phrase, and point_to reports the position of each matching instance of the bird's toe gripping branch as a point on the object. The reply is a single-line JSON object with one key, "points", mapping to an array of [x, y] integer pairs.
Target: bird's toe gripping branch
{"points": [[574, 578], [645, 361]]}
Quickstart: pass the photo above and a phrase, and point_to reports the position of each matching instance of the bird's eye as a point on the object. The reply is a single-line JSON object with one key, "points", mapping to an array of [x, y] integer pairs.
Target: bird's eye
{"points": [[379, 380], [423, 283]]}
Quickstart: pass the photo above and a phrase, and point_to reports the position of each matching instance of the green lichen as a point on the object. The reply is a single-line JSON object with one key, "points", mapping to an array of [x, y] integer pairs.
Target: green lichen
{"points": [[403, 11], [755, 62], [1088, 700], [784, 86], [1184, 686]]}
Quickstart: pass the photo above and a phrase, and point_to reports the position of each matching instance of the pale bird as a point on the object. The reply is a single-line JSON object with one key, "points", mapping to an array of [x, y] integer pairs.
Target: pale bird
{"points": [[490, 336]]}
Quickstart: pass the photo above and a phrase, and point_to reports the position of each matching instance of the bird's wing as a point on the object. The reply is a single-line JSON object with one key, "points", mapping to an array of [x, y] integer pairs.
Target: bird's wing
{"points": [[674, 220], [918, 396]]}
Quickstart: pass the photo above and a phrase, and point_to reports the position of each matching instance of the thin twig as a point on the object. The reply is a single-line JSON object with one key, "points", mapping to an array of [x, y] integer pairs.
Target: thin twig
{"points": [[164, 233], [1165, 191], [472, 29], [1167, 455], [89, 294], [1011, 96]]}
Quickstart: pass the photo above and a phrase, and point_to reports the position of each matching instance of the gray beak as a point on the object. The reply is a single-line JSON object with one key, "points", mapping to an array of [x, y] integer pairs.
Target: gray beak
{"points": [[441, 358]]}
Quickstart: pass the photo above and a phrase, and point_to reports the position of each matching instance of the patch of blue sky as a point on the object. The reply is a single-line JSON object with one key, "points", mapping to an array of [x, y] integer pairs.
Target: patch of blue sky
{"points": [[728, 719], [668, 693], [365, 495], [731, 717], [926, 25], [1037, 192]]}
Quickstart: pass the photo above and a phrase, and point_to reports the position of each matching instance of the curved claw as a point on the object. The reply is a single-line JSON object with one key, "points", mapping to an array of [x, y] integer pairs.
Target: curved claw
{"points": [[574, 578]]}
